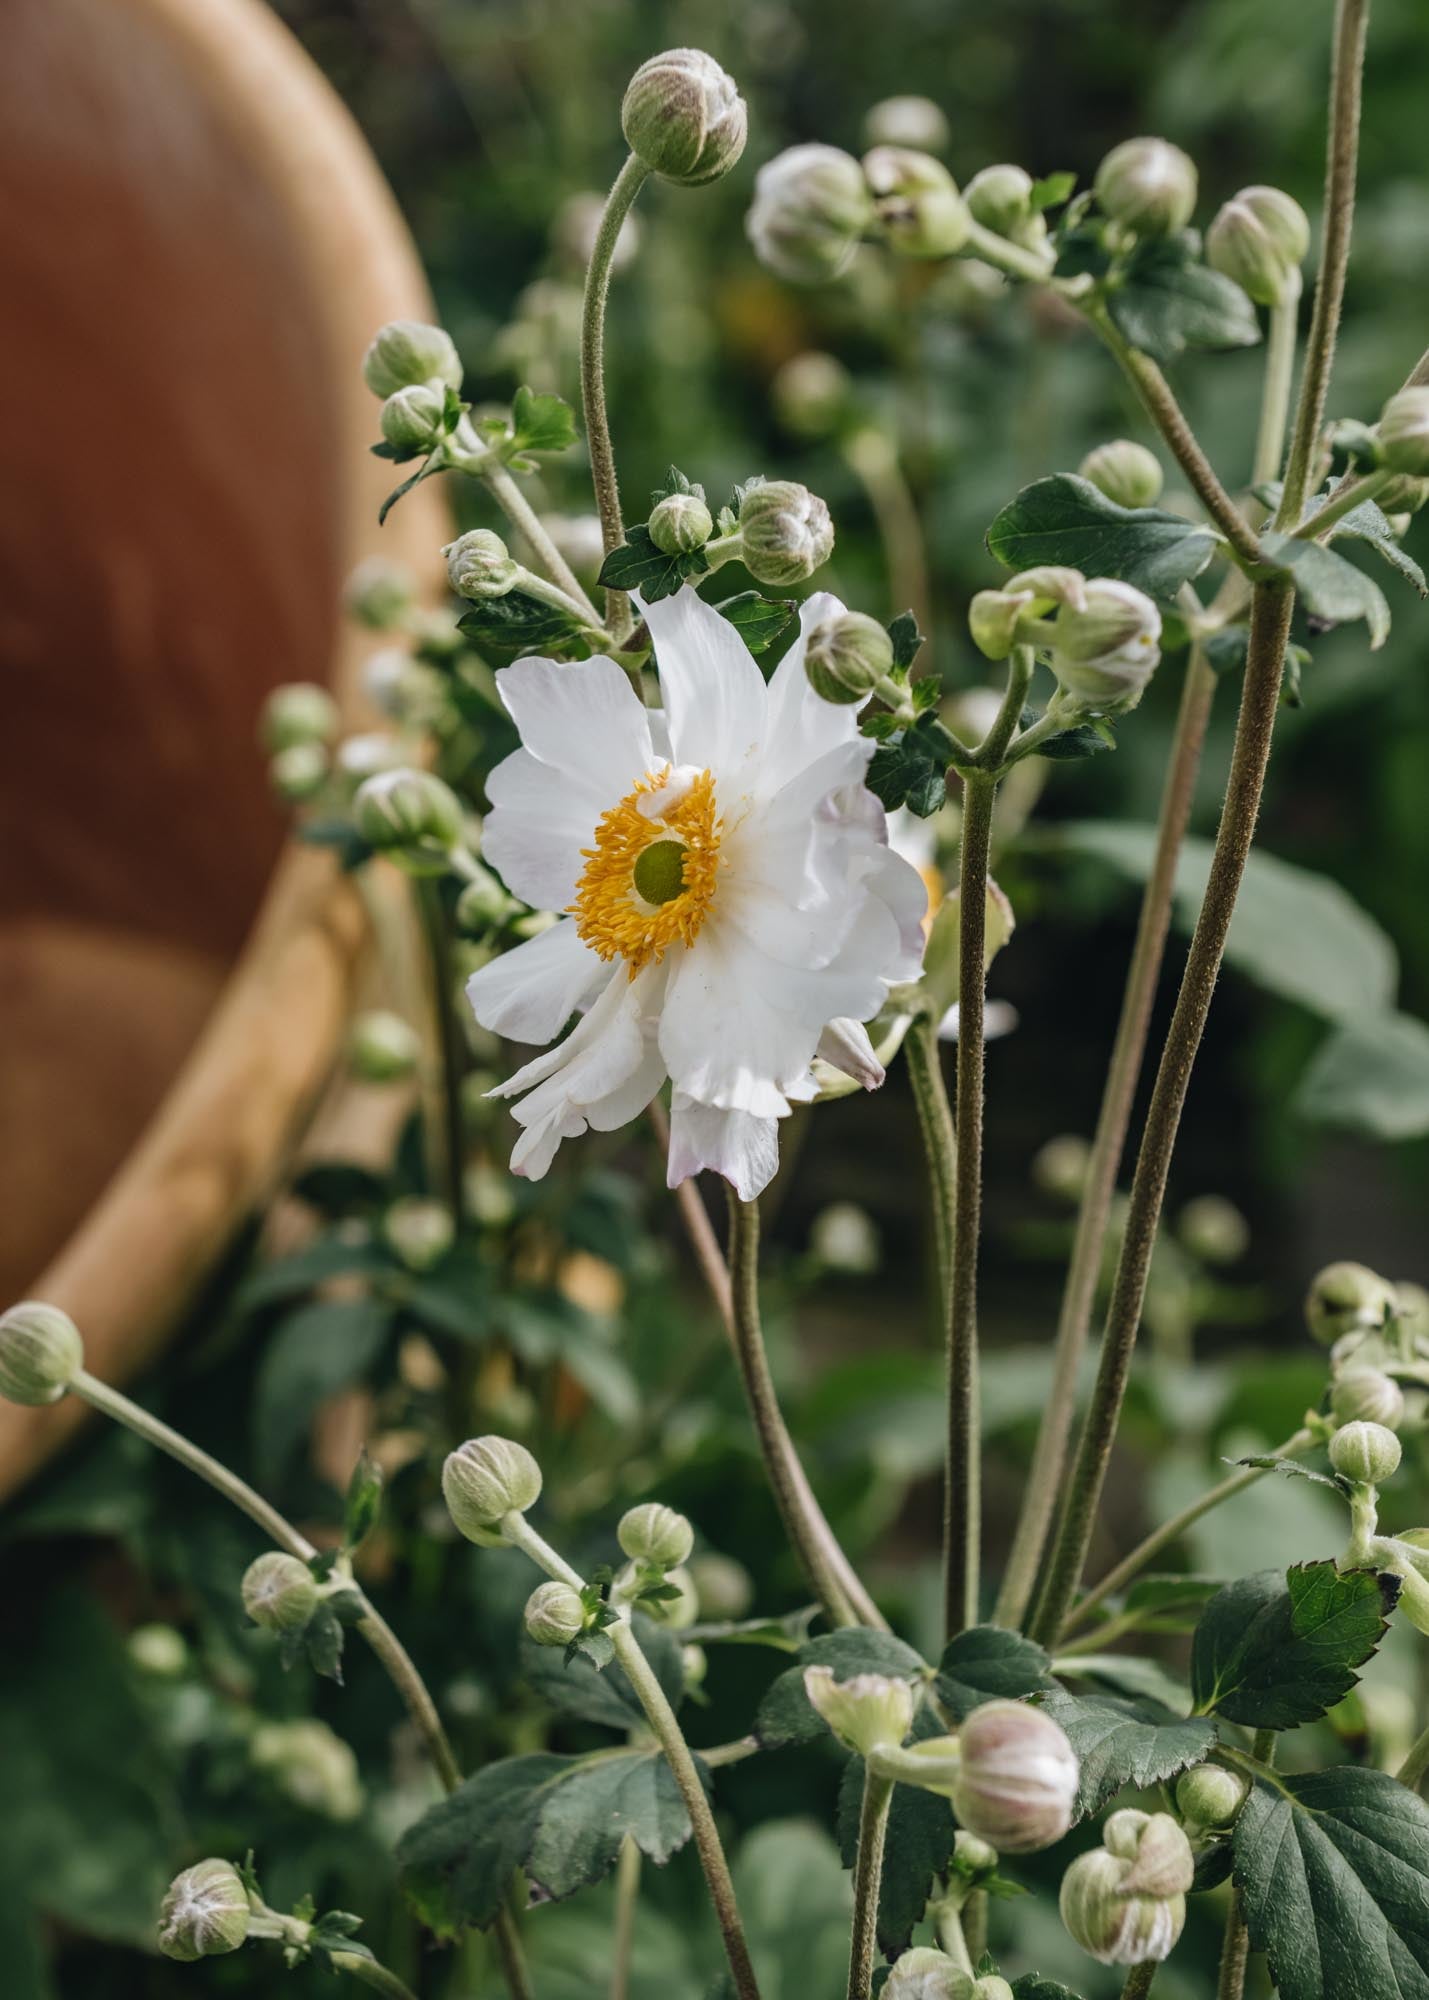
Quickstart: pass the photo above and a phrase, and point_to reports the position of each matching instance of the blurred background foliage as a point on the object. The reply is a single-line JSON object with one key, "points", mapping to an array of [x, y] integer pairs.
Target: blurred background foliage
{"points": [[136, 1713]]}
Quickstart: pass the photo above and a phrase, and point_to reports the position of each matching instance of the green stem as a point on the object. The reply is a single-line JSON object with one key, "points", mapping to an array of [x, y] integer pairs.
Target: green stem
{"points": [[627, 1898], [628, 183], [1049, 1456], [1138, 1981], [1009, 257], [1411, 1771], [874, 459], [535, 586], [924, 1056], [948, 1923], [1271, 605], [867, 1881], [1275, 390], [449, 1150], [1349, 496], [370, 1973], [524, 518], [1235, 1951]]}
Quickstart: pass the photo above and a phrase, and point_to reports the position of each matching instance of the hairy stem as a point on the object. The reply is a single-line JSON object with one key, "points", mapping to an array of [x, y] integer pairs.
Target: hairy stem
{"points": [[1138, 1981], [369, 1973], [1275, 392], [873, 457], [627, 1898], [867, 1881], [449, 1150], [924, 1057], [628, 183], [1235, 1952], [523, 517]]}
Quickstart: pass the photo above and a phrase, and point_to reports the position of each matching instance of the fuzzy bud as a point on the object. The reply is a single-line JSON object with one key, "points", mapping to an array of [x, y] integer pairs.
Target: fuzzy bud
{"points": [[299, 713], [382, 1047], [479, 565], [869, 1712], [916, 201], [1366, 1452], [404, 352], [1209, 1797], [786, 532], [1104, 656], [412, 817], [847, 656], [379, 594], [40, 1353], [485, 1478], [811, 207], [1404, 433], [810, 394], [973, 1857], [993, 619], [1114, 1925], [1060, 1167], [554, 1614], [723, 1586], [1347, 1298], [482, 904], [1213, 1229], [420, 1230], [1156, 1847], [414, 419], [683, 116], [680, 523], [907, 121], [280, 1593], [1403, 495], [1365, 1394], [1260, 238], [1018, 1778], [1125, 471], [204, 1913], [1000, 198], [299, 772], [656, 1535], [1147, 185]]}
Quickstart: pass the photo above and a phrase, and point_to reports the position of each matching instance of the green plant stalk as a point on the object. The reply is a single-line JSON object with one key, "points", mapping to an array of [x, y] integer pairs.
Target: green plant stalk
{"points": [[1271, 606], [1010, 257], [1235, 1944], [1139, 1981], [370, 1973], [948, 1923], [628, 183], [874, 459], [627, 1898], [1279, 380], [923, 1055], [867, 1881], [447, 1149], [1341, 503], [524, 518]]}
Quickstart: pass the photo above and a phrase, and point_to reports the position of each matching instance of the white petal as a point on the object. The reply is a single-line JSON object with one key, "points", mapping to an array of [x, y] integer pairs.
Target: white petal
{"points": [[530, 993], [743, 1148], [605, 1071], [845, 1046], [714, 694], [904, 893], [541, 820], [584, 719]]}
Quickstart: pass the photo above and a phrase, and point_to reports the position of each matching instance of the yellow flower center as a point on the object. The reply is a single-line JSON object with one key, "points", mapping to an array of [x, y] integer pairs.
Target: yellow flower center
{"points": [[650, 878]]}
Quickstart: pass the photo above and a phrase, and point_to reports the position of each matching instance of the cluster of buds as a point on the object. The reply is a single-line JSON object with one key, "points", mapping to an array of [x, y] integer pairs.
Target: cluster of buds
{"points": [[1125, 1902], [814, 204], [297, 727], [1101, 637], [413, 818], [926, 1974], [41, 1353], [417, 372]]}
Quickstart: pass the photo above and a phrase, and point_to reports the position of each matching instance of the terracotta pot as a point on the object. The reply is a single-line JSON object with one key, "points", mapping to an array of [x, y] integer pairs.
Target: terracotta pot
{"points": [[197, 247]]}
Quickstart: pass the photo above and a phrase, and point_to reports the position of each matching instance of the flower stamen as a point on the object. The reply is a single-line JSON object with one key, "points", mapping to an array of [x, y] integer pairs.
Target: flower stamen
{"points": [[650, 878]]}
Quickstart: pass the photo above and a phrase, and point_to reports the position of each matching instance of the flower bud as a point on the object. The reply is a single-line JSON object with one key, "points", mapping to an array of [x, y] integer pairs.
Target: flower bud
{"points": [[1404, 433], [694, 1667], [1369, 1453], [811, 207], [280, 1593], [485, 1478], [1209, 1797], [366, 754], [40, 1353], [204, 1913], [680, 523], [810, 394], [412, 817], [1157, 1849], [993, 619], [479, 565], [926, 1974], [482, 904], [786, 532], [1148, 185], [415, 419], [299, 772], [1125, 472], [683, 116], [916, 201], [656, 1535], [300, 712], [405, 353], [847, 656], [1403, 495], [973, 1857], [379, 593], [1060, 1167], [554, 1614], [1114, 1926], [1411, 1310], [420, 1230], [1367, 1395], [1347, 1298], [907, 121], [1104, 655], [723, 1587], [1214, 1229], [1260, 239], [844, 1237], [869, 1712], [159, 1650], [382, 1047], [1000, 198], [310, 1764], [1018, 1781]]}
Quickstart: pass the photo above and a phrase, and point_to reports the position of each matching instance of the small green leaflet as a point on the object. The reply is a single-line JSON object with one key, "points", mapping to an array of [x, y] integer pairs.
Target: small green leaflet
{"points": [[363, 1503], [1331, 590], [1065, 520], [516, 624], [785, 1714], [912, 768], [1051, 191], [1164, 300], [907, 640], [1123, 1741], [1369, 523], [1273, 1651], [758, 620], [988, 1663], [638, 565], [541, 422]]}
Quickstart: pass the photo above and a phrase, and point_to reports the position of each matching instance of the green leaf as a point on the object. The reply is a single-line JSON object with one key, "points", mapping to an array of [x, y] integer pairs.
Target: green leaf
{"points": [[917, 1847], [1066, 520], [988, 1663], [434, 462], [785, 1714], [1295, 933], [364, 1501], [316, 1351], [1032, 1986], [1129, 1674], [1122, 1740], [638, 565], [1157, 1594], [1051, 191], [577, 1689], [290, 1277], [1332, 590], [1369, 523], [1371, 1076], [1164, 300], [796, 1901], [541, 422], [784, 1635], [1273, 1651], [518, 623], [758, 620], [911, 769], [1334, 1871], [1083, 741], [907, 640]]}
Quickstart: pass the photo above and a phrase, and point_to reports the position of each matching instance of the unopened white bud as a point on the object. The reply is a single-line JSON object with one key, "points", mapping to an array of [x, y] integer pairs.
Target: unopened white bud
{"points": [[1018, 1783], [1367, 1394], [656, 1535], [405, 353], [1347, 1298], [1000, 198], [1366, 1452], [412, 817], [847, 656], [680, 523], [916, 202], [382, 1047], [1162, 1863], [205, 1912], [1104, 655], [479, 565], [1113, 1924], [1210, 1797], [415, 419], [299, 712], [786, 532], [1260, 239], [1147, 185], [907, 121], [926, 1974], [684, 117], [40, 1353], [279, 1592], [811, 207], [485, 1478], [993, 619], [554, 1614], [869, 1712], [1404, 432], [1125, 472]]}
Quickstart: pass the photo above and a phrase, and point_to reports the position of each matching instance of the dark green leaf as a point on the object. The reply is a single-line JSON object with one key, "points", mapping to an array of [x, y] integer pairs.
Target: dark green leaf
{"points": [[912, 769], [1274, 1650], [580, 1827], [638, 565], [1032, 1986], [907, 640], [1164, 300], [758, 620], [918, 1846], [1122, 1741], [1066, 520], [289, 1277], [785, 1715], [518, 623], [988, 1663], [1083, 741], [575, 1688], [1331, 590], [434, 462], [364, 1501], [1371, 1076], [1369, 523], [316, 1351], [541, 422]]}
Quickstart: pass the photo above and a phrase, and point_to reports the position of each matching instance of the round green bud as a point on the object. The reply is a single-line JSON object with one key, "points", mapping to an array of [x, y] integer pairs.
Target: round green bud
{"points": [[310, 1764], [1156, 1847], [993, 619], [554, 1614], [420, 1230], [916, 202], [40, 1353], [1111, 1925], [694, 1666], [479, 565], [1260, 239], [280, 1593], [786, 532], [205, 1912], [412, 817], [1105, 654], [972, 1856], [482, 904], [1060, 1167], [926, 1974], [1148, 185], [680, 523], [485, 1478], [159, 1650], [907, 121], [379, 593], [844, 1237], [683, 116], [300, 712], [810, 394], [869, 1712], [1017, 1785], [1347, 1298], [1000, 198], [405, 353], [810, 210], [299, 772], [1403, 495], [1365, 1394], [1366, 1452], [1209, 1797], [1214, 1229], [1404, 433], [655, 1534], [846, 657], [414, 419], [723, 1586], [1125, 472], [382, 1047]]}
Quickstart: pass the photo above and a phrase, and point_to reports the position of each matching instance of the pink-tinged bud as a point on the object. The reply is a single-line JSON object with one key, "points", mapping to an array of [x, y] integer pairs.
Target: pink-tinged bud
{"points": [[1018, 1779], [1161, 1862], [1113, 1925]]}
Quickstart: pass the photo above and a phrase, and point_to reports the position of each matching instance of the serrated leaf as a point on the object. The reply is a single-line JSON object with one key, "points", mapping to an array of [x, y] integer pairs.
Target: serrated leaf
{"points": [[758, 620], [1156, 1593], [1164, 300], [1065, 520], [1371, 1076], [1083, 741], [1369, 523], [1128, 1674], [541, 422], [638, 565], [989, 1663], [917, 1847], [911, 769], [518, 623], [1125, 1741], [1290, 1468], [1273, 1650], [785, 1714], [1331, 590], [577, 1689], [1333, 1868], [907, 640], [319, 1349]]}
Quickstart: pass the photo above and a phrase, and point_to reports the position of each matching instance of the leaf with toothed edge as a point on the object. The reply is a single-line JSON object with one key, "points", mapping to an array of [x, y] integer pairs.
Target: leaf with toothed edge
{"points": [[1278, 1649], [1126, 1741]]}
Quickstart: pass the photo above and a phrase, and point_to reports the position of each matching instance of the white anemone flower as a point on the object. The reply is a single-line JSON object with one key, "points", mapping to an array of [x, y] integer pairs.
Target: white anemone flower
{"points": [[730, 901]]}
